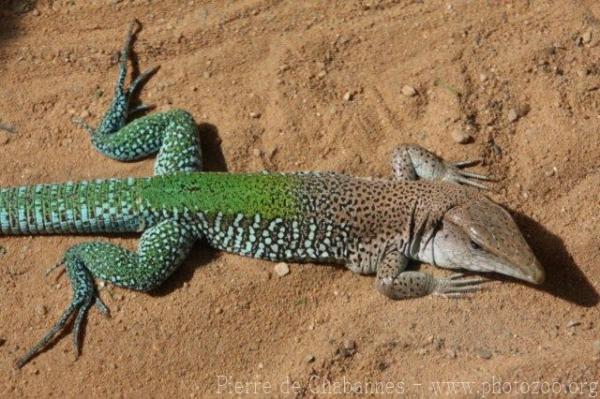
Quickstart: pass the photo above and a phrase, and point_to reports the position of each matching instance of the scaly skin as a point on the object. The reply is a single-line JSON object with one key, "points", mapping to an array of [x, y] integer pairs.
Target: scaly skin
{"points": [[373, 226]]}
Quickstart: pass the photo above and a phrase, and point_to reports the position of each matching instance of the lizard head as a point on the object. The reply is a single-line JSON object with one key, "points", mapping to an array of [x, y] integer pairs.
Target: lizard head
{"points": [[479, 235]]}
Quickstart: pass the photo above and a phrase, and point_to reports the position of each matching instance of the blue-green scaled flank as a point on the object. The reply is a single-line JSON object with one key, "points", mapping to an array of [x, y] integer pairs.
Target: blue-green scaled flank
{"points": [[117, 206], [83, 207], [260, 215]]}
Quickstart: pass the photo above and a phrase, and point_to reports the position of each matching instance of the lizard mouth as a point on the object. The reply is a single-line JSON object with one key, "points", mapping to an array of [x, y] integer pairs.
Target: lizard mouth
{"points": [[532, 273]]}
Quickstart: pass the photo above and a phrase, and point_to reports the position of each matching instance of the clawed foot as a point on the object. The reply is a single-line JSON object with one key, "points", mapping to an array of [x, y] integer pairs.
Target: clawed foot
{"points": [[412, 162], [455, 174], [120, 111], [84, 296], [457, 286]]}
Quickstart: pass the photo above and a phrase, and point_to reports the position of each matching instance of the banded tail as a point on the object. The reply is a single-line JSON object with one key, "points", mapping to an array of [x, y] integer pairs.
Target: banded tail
{"points": [[97, 206]]}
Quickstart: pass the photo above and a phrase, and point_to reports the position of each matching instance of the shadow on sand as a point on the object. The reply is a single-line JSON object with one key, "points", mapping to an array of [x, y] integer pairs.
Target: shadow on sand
{"points": [[10, 13], [564, 279]]}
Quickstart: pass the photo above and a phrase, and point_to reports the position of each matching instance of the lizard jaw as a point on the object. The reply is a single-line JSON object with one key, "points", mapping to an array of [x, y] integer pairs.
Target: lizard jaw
{"points": [[532, 273], [463, 241]]}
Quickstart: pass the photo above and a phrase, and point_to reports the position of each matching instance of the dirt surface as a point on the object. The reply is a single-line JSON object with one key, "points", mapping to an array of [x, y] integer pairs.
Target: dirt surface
{"points": [[289, 86]]}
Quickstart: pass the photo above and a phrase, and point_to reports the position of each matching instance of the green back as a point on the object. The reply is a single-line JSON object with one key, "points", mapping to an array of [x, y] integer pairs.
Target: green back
{"points": [[270, 195]]}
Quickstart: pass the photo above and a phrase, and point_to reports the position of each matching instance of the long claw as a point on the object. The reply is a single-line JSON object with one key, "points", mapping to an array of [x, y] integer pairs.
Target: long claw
{"points": [[466, 289], [101, 306], [141, 79], [141, 108], [469, 182], [465, 164], [456, 285], [454, 295], [476, 176], [134, 27], [77, 327], [472, 281], [45, 341]]}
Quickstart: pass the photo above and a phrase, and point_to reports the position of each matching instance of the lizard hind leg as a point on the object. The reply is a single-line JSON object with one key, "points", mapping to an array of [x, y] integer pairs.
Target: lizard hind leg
{"points": [[173, 133], [161, 250], [412, 162], [119, 110]]}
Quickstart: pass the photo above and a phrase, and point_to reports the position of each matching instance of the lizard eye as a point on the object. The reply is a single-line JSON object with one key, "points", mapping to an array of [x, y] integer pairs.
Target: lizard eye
{"points": [[474, 245]]}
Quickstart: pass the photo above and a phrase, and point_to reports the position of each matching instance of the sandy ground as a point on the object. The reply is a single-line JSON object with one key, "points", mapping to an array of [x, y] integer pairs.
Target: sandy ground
{"points": [[281, 85]]}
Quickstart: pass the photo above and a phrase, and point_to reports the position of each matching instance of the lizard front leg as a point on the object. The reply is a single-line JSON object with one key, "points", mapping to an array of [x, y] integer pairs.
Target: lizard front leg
{"points": [[412, 162], [161, 250], [397, 283]]}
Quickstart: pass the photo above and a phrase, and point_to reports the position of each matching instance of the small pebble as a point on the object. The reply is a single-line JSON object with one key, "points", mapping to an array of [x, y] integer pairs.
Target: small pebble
{"points": [[309, 358], [484, 353], [586, 37], [573, 323], [551, 172], [256, 152], [409, 91], [255, 115], [36, 12], [218, 310], [282, 269], [3, 139], [206, 74], [41, 310], [518, 112], [513, 115], [348, 348], [348, 96], [482, 77], [460, 136], [451, 353]]}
